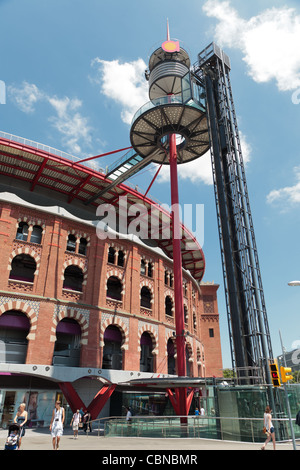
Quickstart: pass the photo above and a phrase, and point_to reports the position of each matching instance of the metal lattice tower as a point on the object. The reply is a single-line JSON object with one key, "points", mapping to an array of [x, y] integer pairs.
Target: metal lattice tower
{"points": [[247, 318]]}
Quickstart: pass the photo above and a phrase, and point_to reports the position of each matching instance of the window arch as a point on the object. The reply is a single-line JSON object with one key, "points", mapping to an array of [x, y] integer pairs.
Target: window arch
{"points": [[112, 353], [146, 357], [22, 231], [23, 267], [82, 246], [14, 329], [111, 255], [168, 306], [114, 288], [146, 297], [36, 234], [73, 278], [71, 243], [67, 346]]}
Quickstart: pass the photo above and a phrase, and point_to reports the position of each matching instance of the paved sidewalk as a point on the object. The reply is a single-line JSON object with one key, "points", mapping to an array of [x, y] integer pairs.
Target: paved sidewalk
{"points": [[40, 439]]}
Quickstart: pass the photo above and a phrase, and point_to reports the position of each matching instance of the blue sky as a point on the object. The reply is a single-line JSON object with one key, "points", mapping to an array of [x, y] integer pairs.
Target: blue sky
{"points": [[73, 72]]}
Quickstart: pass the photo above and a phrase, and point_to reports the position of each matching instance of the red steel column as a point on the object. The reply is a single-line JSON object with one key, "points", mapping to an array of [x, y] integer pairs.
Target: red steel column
{"points": [[177, 267]]}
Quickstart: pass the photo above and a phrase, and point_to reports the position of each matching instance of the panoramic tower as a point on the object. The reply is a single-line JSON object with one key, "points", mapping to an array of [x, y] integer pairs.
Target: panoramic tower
{"points": [[172, 129]]}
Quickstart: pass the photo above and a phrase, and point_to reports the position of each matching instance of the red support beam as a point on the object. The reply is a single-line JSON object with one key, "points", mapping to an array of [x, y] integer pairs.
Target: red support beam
{"points": [[96, 404], [100, 399], [71, 396]]}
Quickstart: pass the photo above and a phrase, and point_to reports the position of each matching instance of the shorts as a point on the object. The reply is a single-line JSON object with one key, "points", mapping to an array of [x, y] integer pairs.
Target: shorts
{"points": [[75, 427], [272, 430], [56, 431]]}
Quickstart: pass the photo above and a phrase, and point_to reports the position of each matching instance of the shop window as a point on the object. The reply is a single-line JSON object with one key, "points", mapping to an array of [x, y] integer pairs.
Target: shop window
{"points": [[14, 328], [82, 246], [73, 278], [22, 268], [146, 297], [111, 255], [112, 353], [67, 346], [168, 306], [114, 288], [22, 232], [71, 243], [146, 358], [36, 234]]}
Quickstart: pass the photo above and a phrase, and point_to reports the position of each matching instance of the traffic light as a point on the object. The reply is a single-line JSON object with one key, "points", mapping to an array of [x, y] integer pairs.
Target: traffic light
{"points": [[285, 374], [275, 375]]}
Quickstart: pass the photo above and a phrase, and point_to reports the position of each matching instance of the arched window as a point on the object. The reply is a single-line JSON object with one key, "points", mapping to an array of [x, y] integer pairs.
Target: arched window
{"points": [[143, 267], [121, 258], [73, 278], [82, 246], [171, 357], [14, 328], [36, 234], [22, 232], [186, 316], [111, 255], [23, 268], [168, 306], [112, 353], [71, 243], [145, 297], [67, 346], [146, 358], [114, 288], [150, 270]]}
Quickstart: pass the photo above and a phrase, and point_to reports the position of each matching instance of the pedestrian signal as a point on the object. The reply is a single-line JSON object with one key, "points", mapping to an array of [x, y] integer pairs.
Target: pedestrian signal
{"points": [[285, 374], [275, 375]]}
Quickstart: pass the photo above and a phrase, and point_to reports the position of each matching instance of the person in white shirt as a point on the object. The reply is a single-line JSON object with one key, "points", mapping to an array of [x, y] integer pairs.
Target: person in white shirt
{"points": [[75, 422], [56, 425]]}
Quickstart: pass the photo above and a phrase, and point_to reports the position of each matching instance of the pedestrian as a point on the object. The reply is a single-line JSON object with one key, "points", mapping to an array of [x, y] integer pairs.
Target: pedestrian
{"points": [[56, 425], [21, 419], [202, 411], [87, 421], [197, 412], [269, 428], [128, 415], [75, 423]]}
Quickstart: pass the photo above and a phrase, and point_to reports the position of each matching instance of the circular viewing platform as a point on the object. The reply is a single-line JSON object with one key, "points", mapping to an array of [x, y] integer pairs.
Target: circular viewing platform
{"points": [[158, 118]]}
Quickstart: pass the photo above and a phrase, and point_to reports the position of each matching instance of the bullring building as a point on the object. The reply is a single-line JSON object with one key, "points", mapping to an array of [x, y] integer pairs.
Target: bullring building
{"points": [[81, 316]]}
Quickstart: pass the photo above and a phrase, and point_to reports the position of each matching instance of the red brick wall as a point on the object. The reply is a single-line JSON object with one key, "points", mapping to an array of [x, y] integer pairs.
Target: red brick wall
{"points": [[46, 303]]}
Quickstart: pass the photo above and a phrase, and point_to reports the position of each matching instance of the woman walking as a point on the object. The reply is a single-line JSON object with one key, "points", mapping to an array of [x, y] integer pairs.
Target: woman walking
{"points": [[56, 425], [270, 431], [21, 419]]}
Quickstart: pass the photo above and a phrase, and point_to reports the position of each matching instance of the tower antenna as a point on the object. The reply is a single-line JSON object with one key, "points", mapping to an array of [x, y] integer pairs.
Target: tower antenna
{"points": [[168, 30]]}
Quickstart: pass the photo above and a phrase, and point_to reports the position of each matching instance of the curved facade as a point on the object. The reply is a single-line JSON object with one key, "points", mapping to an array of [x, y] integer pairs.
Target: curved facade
{"points": [[72, 304]]}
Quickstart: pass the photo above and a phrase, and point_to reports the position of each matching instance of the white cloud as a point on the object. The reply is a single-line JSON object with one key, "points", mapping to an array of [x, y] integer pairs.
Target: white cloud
{"points": [[70, 123], [26, 96], [124, 83], [67, 120], [287, 196], [268, 41]]}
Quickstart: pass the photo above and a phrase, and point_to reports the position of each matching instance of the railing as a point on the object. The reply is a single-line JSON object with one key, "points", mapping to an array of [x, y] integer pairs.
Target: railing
{"points": [[204, 427]]}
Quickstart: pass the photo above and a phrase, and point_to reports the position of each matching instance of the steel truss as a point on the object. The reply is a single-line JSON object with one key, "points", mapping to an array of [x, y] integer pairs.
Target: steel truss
{"points": [[250, 340]]}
